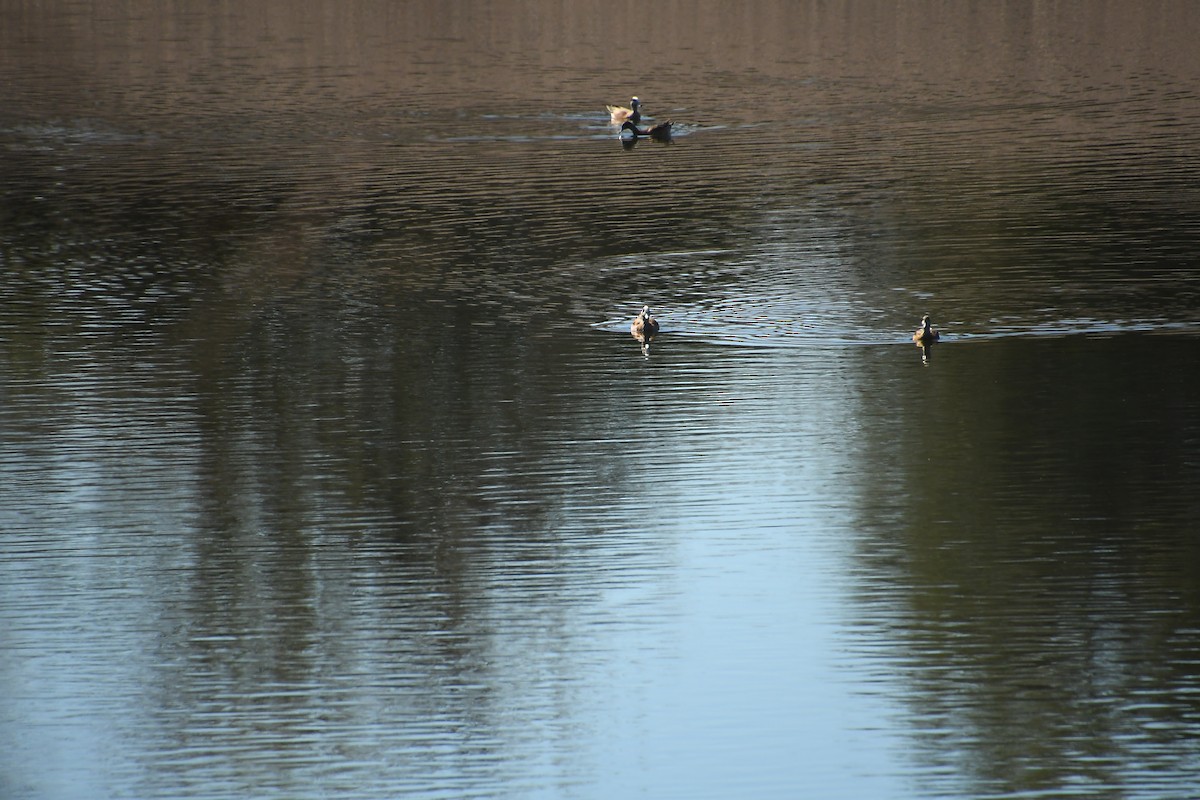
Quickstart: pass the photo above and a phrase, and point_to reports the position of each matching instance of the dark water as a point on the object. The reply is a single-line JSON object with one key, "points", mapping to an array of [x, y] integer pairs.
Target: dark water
{"points": [[328, 467]]}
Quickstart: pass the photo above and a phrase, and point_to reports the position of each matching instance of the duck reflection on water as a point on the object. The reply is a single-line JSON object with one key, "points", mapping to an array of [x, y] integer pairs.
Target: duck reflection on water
{"points": [[630, 133]]}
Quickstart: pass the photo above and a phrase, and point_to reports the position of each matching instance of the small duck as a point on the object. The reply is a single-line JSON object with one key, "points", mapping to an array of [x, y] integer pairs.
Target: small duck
{"points": [[619, 114], [644, 327], [659, 133], [925, 335]]}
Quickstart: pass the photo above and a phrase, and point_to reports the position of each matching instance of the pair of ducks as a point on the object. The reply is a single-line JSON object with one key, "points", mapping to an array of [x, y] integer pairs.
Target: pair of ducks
{"points": [[627, 119], [644, 327]]}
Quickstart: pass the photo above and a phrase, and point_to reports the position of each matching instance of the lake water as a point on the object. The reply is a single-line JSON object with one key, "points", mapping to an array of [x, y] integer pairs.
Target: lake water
{"points": [[329, 468]]}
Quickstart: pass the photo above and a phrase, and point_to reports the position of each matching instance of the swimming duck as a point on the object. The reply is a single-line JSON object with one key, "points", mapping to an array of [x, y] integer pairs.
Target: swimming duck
{"points": [[659, 133], [644, 326], [619, 114], [925, 334]]}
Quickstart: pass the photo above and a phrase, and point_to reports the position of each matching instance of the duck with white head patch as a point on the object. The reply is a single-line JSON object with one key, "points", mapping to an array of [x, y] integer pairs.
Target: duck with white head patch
{"points": [[619, 114], [644, 327], [926, 334]]}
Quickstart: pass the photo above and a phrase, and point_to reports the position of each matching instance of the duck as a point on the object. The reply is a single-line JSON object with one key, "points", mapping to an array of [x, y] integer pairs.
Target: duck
{"points": [[659, 133], [619, 114], [925, 335], [644, 327]]}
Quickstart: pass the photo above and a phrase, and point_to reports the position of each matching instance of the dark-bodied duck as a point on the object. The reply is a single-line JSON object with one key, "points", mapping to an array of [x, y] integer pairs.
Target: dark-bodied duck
{"points": [[659, 133], [644, 327], [925, 335], [619, 114]]}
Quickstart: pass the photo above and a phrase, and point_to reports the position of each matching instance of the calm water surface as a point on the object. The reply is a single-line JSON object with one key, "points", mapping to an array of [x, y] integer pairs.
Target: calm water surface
{"points": [[328, 467]]}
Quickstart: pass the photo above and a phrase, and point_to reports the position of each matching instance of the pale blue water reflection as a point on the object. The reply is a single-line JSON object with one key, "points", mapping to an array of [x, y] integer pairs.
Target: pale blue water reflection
{"points": [[285, 624]]}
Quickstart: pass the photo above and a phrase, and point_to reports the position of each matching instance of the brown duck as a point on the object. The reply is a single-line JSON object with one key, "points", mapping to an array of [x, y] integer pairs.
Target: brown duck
{"points": [[925, 335], [644, 326], [619, 114]]}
